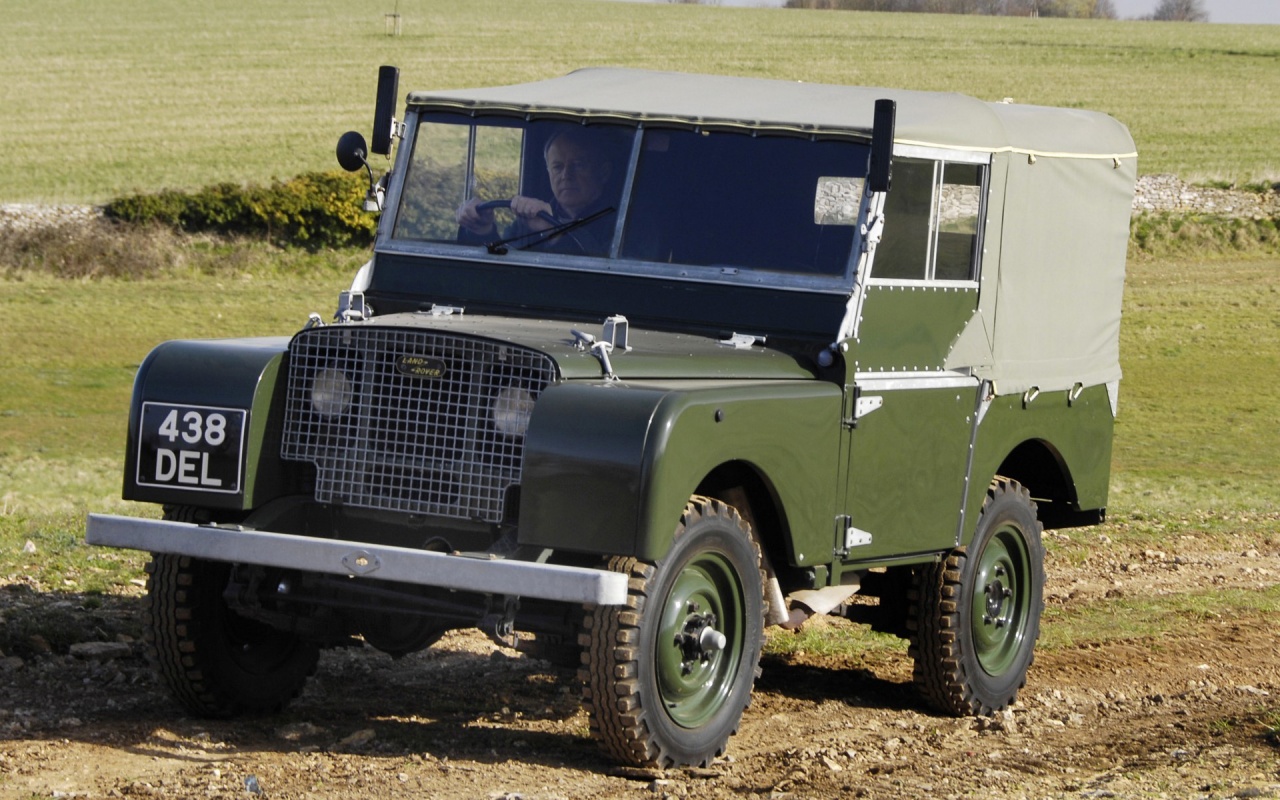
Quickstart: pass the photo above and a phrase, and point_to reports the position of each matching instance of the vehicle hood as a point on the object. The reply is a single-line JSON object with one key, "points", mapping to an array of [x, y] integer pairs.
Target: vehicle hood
{"points": [[652, 355]]}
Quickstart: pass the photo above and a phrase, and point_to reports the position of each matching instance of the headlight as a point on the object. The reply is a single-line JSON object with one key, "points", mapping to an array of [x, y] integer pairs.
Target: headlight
{"points": [[330, 392], [511, 409]]}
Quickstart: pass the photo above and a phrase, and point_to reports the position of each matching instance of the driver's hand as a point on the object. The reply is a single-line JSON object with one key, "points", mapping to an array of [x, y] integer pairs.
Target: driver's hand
{"points": [[474, 220], [531, 209]]}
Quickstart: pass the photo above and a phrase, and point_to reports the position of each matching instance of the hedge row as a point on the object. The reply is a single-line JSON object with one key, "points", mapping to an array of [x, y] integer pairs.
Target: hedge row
{"points": [[314, 210]]}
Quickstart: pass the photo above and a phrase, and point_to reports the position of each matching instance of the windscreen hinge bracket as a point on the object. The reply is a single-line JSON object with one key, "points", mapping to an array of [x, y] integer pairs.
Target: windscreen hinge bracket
{"points": [[742, 341]]}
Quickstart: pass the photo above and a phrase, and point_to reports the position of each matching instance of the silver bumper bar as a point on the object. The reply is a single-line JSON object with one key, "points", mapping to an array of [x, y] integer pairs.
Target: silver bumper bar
{"points": [[403, 564]]}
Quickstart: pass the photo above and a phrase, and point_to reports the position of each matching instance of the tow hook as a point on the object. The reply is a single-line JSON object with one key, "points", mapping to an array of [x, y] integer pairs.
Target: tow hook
{"points": [[502, 630]]}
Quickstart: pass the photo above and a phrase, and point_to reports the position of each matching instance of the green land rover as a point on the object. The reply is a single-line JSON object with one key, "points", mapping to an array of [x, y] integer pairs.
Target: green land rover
{"points": [[643, 364]]}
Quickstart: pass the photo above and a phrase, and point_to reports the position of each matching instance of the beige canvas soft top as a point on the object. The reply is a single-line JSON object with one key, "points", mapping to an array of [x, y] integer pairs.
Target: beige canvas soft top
{"points": [[1057, 230], [936, 119]]}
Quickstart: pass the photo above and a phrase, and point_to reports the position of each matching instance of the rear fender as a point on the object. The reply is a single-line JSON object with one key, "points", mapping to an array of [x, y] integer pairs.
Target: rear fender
{"points": [[1056, 444]]}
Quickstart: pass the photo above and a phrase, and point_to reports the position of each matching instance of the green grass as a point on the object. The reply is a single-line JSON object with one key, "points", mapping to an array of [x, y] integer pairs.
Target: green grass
{"points": [[59, 560], [1152, 619], [114, 96], [69, 361], [1168, 236], [832, 637], [1199, 423]]}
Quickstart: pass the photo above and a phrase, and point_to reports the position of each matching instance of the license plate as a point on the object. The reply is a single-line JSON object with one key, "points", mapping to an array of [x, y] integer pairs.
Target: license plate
{"points": [[191, 447]]}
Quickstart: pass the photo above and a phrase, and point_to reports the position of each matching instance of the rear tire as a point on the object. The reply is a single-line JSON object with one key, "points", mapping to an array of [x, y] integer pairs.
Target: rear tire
{"points": [[975, 616], [215, 662], [668, 674]]}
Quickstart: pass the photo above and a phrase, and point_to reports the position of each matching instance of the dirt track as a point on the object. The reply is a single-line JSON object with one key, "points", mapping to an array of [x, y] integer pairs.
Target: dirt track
{"points": [[1182, 715]]}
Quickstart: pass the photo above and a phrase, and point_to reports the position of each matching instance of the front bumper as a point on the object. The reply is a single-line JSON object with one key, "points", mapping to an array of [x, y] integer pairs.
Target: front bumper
{"points": [[338, 557]]}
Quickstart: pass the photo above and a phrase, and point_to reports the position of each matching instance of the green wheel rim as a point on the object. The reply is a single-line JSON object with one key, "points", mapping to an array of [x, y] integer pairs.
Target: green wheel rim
{"points": [[693, 683], [1002, 597]]}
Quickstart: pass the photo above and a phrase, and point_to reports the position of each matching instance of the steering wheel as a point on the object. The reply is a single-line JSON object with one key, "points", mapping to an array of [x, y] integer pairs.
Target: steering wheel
{"points": [[547, 217], [489, 205]]}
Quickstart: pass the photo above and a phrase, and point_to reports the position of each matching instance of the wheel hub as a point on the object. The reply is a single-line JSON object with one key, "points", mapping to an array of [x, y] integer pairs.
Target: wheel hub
{"points": [[1000, 602], [698, 640], [997, 594]]}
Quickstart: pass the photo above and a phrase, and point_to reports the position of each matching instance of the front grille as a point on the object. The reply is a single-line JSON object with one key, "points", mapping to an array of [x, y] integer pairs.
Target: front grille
{"points": [[404, 420]]}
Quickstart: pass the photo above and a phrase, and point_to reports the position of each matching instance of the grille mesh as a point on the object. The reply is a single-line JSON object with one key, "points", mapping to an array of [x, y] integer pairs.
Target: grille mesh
{"points": [[391, 439]]}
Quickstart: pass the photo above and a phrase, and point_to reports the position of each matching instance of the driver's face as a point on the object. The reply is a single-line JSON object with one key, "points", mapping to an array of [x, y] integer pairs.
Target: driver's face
{"points": [[577, 175]]}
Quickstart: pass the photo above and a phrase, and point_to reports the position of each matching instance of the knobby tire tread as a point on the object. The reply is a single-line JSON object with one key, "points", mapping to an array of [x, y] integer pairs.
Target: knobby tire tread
{"points": [[167, 636], [171, 630], [935, 619], [611, 649]]}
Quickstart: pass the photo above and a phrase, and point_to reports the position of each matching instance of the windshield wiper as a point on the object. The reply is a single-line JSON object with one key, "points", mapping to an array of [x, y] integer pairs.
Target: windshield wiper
{"points": [[499, 247]]}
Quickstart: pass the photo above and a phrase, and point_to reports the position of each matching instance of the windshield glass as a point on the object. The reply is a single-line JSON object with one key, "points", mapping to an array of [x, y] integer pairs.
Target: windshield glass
{"points": [[713, 201]]}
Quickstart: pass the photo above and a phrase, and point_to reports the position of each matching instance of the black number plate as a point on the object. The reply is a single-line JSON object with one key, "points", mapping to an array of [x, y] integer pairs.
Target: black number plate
{"points": [[191, 447]]}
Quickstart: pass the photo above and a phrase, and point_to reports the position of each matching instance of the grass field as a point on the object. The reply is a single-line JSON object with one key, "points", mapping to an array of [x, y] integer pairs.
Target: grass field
{"points": [[107, 97]]}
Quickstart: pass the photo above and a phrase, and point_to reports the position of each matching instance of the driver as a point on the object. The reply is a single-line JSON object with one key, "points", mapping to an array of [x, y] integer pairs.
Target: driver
{"points": [[578, 173]]}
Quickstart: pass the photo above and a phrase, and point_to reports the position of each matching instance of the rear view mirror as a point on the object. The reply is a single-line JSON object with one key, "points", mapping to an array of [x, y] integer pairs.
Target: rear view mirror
{"points": [[881, 170], [353, 153]]}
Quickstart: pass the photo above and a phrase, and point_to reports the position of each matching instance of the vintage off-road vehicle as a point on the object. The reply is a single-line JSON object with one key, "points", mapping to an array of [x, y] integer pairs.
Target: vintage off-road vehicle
{"points": [[642, 364]]}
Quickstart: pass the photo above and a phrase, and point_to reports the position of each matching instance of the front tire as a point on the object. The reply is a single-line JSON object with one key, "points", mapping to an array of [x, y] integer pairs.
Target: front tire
{"points": [[976, 615], [668, 675], [215, 662]]}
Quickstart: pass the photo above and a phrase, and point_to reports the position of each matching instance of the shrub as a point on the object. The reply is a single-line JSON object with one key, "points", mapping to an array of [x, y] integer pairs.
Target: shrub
{"points": [[313, 210]]}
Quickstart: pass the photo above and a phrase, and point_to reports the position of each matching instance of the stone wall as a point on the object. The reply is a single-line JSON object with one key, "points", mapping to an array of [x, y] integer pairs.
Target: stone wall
{"points": [[25, 216], [1167, 193]]}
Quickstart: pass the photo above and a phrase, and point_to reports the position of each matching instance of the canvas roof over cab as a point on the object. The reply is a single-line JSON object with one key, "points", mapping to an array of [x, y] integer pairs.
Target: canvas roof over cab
{"points": [[934, 118], [1061, 186]]}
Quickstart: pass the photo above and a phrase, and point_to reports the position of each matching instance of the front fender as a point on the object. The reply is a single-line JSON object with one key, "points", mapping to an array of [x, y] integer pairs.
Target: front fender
{"points": [[608, 468], [239, 374]]}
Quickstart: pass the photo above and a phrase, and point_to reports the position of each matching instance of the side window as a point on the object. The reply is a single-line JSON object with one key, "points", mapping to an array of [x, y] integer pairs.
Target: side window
{"points": [[903, 252], [959, 204], [932, 219]]}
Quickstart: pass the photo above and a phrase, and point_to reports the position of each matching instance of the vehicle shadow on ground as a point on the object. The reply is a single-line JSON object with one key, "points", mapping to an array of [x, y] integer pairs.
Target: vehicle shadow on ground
{"points": [[854, 686], [467, 701], [461, 700]]}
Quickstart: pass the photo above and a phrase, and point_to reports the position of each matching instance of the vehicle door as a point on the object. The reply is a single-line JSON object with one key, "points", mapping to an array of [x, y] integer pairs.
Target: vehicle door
{"points": [[908, 420]]}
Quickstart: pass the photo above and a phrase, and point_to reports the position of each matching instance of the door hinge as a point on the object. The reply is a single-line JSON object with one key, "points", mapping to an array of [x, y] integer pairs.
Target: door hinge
{"points": [[856, 537], [848, 536], [862, 406]]}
